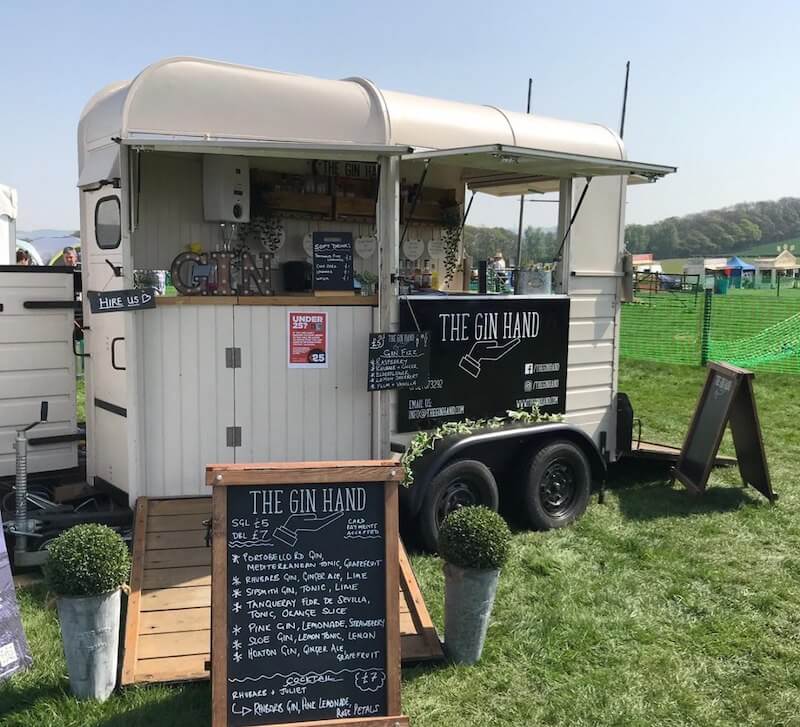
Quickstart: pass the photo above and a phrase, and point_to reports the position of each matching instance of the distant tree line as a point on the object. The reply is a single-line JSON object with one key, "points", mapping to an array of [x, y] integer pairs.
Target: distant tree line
{"points": [[718, 232], [538, 244], [715, 232]]}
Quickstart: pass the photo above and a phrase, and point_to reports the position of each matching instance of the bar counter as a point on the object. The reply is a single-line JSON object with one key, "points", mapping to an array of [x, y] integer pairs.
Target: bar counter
{"points": [[290, 299]]}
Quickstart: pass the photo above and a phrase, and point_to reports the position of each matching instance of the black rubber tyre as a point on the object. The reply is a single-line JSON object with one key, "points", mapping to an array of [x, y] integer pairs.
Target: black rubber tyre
{"points": [[558, 486], [462, 483]]}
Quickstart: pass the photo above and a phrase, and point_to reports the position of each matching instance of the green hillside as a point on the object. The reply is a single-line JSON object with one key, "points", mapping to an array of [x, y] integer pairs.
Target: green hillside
{"points": [[771, 248]]}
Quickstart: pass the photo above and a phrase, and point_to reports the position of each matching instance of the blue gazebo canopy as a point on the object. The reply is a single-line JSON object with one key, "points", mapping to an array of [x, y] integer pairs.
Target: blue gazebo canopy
{"points": [[738, 264]]}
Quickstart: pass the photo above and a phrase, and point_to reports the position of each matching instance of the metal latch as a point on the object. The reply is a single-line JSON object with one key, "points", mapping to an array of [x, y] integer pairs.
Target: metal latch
{"points": [[233, 437], [233, 358]]}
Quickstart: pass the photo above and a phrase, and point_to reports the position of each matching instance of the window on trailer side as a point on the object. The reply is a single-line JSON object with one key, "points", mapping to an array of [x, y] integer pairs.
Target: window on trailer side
{"points": [[107, 223]]}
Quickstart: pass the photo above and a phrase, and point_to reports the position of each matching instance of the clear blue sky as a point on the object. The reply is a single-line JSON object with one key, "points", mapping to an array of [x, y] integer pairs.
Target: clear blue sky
{"points": [[715, 86]]}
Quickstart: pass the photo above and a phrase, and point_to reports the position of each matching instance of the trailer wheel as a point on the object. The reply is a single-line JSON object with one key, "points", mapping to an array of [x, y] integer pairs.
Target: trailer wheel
{"points": [[558, 486], [463, 483]]}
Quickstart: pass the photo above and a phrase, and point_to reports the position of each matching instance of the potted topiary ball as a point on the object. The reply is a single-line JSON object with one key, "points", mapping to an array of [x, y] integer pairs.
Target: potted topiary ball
{"points": [[86, 566], [474, 542]]}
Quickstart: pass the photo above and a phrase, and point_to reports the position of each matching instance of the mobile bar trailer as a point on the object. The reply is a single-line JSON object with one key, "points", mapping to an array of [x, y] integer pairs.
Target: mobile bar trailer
{"points": [[195, 165]]}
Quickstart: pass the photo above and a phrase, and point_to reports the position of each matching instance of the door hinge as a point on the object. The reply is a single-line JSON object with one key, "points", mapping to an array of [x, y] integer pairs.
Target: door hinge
{"points": [[233, 437], [233, 358]]}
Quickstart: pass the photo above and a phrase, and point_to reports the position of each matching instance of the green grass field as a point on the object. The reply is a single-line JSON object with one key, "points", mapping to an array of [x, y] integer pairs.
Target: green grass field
{"points": [[656, 608]]}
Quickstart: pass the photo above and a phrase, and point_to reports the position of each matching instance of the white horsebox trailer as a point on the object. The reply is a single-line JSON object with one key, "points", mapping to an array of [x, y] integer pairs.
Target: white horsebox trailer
{"points": [[205, 378], [8, 224]]}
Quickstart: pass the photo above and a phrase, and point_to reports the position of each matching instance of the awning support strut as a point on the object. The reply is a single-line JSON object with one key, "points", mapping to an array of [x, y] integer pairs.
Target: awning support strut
{"points": [[572, 220]]}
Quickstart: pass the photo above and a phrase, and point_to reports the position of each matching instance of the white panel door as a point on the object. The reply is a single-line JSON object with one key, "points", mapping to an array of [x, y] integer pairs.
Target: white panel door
{"points": [[186, 396], [302, 414], [106, 378]]}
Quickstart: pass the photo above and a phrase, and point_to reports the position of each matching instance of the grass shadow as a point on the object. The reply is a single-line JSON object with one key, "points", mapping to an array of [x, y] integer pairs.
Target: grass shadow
{"points": [[186, 704], [16, 700], [645, 492], [422, 669]]}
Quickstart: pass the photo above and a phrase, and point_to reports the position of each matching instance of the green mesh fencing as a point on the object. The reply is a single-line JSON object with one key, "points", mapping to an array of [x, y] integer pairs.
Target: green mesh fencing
{"points": [[663, 326], [742, 327]]}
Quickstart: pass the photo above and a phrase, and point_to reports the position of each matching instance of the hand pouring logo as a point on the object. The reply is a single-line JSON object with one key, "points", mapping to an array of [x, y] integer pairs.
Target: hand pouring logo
{"points": [[485, 351]]}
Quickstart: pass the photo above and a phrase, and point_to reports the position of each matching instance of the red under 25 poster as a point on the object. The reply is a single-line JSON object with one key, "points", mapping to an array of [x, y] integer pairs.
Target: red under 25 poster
{"points": [[308, 340]]}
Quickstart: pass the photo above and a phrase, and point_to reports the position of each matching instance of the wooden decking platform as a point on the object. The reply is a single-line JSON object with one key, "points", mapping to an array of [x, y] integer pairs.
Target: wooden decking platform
{"points": [[168, 620], [666, 453]]}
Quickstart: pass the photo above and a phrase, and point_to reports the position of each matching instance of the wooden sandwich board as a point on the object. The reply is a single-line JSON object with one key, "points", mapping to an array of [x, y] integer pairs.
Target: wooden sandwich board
{"points": [[168, 618], [727, 396], [304, 611]]}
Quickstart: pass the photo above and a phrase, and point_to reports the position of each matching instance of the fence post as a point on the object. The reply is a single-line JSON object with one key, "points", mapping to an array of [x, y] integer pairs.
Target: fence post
{"points": [[706, 333]]}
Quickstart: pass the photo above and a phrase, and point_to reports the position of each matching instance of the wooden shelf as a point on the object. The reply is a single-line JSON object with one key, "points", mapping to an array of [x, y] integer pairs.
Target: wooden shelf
{"points": [[286, 299], [296, 202]]}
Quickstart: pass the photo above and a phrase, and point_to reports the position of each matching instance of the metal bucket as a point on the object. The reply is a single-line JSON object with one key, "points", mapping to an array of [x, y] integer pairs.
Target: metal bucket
{"points": [[90, 633], [468, 600]]}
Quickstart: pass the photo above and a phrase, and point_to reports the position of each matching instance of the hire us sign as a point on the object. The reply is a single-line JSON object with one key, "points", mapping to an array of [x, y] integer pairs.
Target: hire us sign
{"points": [[221, 273]]}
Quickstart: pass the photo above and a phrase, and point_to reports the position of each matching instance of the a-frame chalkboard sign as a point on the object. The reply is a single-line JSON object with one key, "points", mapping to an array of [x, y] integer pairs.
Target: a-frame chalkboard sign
{"points": [[304, 608], [727, 396]]}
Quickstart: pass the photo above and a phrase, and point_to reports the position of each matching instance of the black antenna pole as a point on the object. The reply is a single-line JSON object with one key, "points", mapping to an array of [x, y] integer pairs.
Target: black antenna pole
{"points": [[624, 100], [521, 209]]}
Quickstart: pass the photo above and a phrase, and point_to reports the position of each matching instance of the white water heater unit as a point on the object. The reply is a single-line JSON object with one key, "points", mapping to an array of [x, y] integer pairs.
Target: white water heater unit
{"points": [[226, 188]]}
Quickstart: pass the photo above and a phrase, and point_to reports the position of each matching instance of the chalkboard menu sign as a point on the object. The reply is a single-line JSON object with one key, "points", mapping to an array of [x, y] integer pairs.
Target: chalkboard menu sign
{"points": [[305, 614], [489, 354], [333, 260], [727, 396], [398, 360]]}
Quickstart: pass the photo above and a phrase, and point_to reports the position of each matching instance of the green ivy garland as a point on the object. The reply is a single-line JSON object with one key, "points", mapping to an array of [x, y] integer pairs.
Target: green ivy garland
{"points": [[421, 442]]}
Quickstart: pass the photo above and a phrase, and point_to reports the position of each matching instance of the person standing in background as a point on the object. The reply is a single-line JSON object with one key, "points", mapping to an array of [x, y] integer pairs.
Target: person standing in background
{"points": [[69, 257]]}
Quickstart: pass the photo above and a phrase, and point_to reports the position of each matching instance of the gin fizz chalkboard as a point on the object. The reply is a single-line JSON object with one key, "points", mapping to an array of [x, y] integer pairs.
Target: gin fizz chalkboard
{"points": [[305, 614], [398, 360]]}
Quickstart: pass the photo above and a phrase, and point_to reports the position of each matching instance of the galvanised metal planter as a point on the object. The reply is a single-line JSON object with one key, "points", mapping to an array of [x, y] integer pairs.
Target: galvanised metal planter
{"points": [[90, 633], [468, 601]]}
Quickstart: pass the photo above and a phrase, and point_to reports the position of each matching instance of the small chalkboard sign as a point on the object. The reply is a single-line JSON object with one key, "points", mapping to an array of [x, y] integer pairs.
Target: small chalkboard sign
{"points": [[727, 396], [113, 301], [333, 260], [305, 614], [398, 361]]}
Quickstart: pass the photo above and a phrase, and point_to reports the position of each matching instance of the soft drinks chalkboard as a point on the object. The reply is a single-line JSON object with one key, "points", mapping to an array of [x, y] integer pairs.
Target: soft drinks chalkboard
{"points": [[489, 354], [727, 396], [398, 360], [305, 615], [332, 254]]}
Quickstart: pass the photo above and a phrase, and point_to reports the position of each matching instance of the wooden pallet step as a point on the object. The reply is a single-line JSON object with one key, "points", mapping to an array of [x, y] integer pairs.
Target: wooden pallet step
{"points": [[180, 506], [176, 577], [176, 620], [177, 558], [173, 523], [170, 598], [152, 646]]}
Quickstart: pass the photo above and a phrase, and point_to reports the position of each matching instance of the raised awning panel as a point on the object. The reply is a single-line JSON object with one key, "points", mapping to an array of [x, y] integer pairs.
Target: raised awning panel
{"points": [[284, 149], [501, 169]]}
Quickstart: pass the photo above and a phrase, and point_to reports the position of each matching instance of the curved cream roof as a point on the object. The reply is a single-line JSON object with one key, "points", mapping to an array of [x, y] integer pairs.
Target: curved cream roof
{"points": [[8, 201], [203, 99]]}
